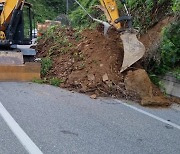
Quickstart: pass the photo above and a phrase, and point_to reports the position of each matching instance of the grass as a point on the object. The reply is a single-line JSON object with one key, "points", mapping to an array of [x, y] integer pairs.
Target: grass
{"points": [[52, 81], [40, 81], [55, 81]]}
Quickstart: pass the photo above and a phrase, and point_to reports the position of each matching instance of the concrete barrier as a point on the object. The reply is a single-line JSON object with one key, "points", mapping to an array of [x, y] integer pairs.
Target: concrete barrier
{"points": [[171, 85]]}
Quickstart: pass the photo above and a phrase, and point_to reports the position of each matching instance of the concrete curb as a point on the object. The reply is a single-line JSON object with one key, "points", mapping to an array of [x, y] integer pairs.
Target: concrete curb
{"points": [[171, 85]]}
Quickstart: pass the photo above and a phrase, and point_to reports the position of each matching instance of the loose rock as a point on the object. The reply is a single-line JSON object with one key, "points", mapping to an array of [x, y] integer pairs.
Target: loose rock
{"points": [[139, 82], [155, 101], [94, 96], [105, 77]]}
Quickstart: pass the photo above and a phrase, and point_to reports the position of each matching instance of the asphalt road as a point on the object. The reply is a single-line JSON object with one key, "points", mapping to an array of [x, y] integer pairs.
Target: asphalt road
{"points": [[61, 122]]}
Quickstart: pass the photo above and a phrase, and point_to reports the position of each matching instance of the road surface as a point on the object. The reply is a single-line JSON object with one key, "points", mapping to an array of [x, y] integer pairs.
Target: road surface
{"points": [[44, 119]]}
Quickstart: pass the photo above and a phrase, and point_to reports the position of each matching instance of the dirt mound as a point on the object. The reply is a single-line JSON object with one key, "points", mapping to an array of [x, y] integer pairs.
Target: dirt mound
{"points": [[90, 63]]}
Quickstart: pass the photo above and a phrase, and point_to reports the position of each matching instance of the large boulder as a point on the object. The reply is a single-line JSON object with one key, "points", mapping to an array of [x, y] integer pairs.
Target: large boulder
{"points": [[138, 81]]}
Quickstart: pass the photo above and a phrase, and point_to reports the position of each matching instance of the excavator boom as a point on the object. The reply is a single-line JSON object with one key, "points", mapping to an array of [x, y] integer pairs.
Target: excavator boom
{"points": [[111, 12], [10, 5]]}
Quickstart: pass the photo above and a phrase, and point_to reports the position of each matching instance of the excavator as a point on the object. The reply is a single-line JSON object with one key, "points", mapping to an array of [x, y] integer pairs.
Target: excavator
{"points": [[16, 23], [133, 48]]}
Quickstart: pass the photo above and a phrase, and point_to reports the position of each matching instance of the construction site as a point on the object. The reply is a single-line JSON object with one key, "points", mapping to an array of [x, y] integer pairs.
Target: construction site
{"points": [[90, 62], [109, 60], [89, 76]]}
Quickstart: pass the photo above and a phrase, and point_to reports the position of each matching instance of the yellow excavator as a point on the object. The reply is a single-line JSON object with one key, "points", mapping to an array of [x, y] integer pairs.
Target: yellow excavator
{"points": [[16, 59], [133, 48]]}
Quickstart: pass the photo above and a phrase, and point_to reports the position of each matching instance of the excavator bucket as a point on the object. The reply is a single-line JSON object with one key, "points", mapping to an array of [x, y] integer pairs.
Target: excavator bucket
{"points": [[13, 68], [133, 49]]}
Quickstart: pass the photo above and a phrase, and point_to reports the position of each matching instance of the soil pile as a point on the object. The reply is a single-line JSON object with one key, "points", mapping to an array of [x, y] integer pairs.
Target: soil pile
{"points": [[92, 64]]}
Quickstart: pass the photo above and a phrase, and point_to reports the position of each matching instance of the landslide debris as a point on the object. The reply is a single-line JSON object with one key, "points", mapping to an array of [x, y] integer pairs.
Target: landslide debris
{"points": [[89, 62], [139, 82]]}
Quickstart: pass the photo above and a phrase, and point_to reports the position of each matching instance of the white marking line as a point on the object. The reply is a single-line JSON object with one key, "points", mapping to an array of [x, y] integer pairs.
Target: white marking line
{"points": [[18, 132], [150, 115]]}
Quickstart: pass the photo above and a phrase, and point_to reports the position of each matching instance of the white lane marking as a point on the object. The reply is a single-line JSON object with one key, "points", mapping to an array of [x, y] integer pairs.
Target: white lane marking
{"points": [[149, 114], [24, 139]]}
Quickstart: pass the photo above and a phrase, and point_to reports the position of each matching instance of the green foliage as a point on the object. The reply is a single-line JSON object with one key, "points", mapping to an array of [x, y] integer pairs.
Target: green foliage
{"points": [[46, 10], [146, 13], [55, 81], [156, 80], [40, 81], [176, 73], [169, 52], [59, 41], [79, 18], [46, 65], [176, 6], [143, 11]]}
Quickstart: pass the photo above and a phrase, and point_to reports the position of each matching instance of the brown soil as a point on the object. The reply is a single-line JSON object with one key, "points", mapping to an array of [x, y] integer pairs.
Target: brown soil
{"points": [[92, 65]]}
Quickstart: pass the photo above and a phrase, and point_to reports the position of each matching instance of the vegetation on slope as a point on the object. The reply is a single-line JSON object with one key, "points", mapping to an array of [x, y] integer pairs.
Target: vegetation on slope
{"points": [[45, 9]]}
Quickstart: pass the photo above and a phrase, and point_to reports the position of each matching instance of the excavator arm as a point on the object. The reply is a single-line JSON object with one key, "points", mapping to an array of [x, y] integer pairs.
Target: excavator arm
{"points": [[12, 22], [6, 14], [111, 12]]}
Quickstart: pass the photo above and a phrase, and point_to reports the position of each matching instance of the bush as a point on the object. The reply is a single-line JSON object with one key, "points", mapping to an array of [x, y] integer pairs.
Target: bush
{"points": [[46, 65], [169, 50]]}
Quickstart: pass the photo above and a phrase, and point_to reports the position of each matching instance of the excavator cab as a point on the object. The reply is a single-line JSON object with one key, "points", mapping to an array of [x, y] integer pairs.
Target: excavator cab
{"points": [[16, 58], [23, 33], [18, 30]]}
